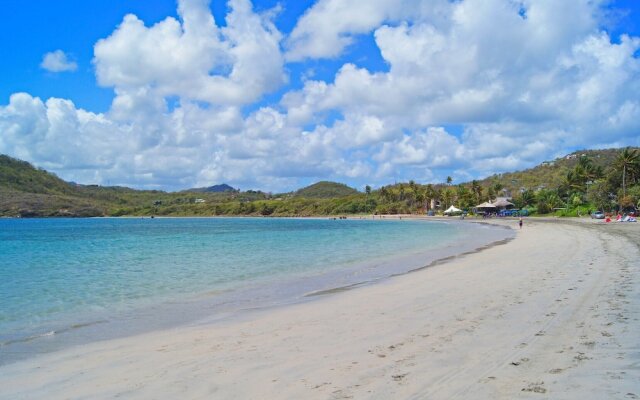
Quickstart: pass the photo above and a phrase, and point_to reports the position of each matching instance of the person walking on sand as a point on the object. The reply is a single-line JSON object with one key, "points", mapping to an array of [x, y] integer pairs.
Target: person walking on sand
{"points": [[520, 222]]}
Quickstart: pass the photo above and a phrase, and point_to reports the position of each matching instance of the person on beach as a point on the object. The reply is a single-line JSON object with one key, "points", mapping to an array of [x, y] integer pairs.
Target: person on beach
{"points": [[520, 222]]}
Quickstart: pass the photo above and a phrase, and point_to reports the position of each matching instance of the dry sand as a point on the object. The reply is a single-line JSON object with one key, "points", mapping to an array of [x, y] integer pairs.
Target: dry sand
{"points": [[552, 314]]}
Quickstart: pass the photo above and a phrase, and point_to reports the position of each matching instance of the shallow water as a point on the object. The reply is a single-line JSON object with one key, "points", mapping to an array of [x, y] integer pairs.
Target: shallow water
{"points": [[68, 281]]}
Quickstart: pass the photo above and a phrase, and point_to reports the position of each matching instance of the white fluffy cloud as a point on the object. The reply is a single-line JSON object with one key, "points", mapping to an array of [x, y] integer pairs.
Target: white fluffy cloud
{"points": [[194, 58], [58, 61], [330, 26], [522, 80], [525, 82]]}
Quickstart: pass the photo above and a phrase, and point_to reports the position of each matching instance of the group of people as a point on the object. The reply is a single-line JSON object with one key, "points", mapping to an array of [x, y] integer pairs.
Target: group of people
{"points": [[622, 218]]}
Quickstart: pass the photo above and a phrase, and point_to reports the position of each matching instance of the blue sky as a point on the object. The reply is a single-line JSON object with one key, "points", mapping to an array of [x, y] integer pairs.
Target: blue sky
{"points": [[75, 26], [291, 92]]}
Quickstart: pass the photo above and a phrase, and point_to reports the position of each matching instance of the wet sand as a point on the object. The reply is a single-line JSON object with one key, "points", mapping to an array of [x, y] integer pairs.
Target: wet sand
{"points": [[553, 313]]}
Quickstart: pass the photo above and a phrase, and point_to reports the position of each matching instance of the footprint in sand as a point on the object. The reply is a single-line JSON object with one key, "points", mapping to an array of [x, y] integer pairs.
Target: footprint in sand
{"points": [[318, 386], [581, 357], [535, 387], [556, 371], [399, 377]]}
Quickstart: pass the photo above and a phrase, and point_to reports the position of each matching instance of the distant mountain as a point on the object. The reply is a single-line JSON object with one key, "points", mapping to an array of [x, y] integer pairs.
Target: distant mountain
{"points": [[223, 188], [325, 190]]}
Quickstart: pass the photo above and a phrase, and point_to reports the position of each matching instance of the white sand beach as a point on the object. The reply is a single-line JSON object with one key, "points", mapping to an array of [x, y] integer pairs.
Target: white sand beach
{"points": [[553, 313]]}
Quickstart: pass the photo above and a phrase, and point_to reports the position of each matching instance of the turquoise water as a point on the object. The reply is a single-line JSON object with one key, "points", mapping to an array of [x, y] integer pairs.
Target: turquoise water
{"points": [[57, 275]]}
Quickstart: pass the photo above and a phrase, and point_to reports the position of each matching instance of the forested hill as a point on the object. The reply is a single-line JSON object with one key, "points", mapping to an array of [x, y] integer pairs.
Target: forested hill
{"points": [[30, 192], [21, 176], [553, 173], [326, 190], [589, 178]]}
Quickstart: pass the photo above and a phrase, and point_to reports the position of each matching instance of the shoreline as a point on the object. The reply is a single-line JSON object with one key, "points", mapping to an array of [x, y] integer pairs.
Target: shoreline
{"points": [[552, 313], [248, 298]]}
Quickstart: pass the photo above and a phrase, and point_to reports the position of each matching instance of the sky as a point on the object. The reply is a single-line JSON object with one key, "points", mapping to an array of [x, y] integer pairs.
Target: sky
{"points": [[274, 95]]}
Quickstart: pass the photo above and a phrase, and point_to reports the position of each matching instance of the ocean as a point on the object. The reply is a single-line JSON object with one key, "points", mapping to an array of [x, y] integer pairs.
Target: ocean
{"points": [[70, 281]]}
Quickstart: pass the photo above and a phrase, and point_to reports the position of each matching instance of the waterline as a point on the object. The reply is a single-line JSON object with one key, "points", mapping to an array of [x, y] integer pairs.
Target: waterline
{"points": [[135, 275]]}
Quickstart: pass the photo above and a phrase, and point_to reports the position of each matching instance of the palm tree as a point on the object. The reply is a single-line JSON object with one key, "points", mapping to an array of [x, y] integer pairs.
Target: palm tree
{"points": [[420, 197], [527, 198], [547, 200], [447, 197], [585, 171], [628, 161], [491, 193], [464, 197], [497, 187], [384, 193], [413, 194], [449, 180], [429, 194], [477, 191], [574, 181]]}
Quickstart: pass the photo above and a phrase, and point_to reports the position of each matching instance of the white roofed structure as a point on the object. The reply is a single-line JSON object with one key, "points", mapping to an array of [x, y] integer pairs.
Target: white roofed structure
{"points": [[452, 210]]}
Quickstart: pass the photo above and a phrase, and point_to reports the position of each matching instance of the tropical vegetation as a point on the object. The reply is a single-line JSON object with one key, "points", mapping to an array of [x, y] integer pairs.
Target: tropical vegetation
{"points": [[576, 184]]}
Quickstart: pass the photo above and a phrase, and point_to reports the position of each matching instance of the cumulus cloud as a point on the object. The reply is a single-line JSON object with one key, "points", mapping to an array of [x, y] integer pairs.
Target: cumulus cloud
{"points": [[192, 57], [58, 61], [521, 81], [330, 26], [512, 73]]}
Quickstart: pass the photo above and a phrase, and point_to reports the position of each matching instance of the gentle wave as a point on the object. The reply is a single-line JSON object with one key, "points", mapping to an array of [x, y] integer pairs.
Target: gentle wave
{"points": [[49, 333]]}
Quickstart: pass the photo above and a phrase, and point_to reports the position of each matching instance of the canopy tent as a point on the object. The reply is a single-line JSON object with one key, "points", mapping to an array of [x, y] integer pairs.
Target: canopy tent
{"points": [[503, 204], [452, 210]]}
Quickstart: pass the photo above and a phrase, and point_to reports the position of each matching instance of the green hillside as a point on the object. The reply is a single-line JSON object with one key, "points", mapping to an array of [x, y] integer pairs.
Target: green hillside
{"points": [[21, 176], [30, 192], [552, 173], [325, 190], [575, 183]]}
